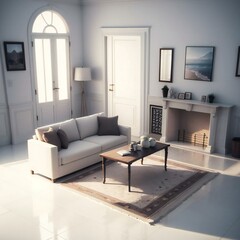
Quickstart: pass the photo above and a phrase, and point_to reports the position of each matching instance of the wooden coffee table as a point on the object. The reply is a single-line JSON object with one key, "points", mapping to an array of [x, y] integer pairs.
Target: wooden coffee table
{"points": [[114, 156]]}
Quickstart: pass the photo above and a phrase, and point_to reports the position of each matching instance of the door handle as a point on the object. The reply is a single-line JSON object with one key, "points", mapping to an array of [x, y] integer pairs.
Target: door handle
{"points": [[111, 87], [56, 88]]}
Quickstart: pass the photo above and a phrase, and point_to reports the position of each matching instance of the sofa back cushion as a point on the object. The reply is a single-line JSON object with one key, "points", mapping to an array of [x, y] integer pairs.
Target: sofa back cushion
{"points": [[70, 128], [88, 125]]}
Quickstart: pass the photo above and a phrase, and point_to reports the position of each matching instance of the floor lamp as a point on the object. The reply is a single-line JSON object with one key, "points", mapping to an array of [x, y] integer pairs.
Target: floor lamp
{"points": [[82, 74]]}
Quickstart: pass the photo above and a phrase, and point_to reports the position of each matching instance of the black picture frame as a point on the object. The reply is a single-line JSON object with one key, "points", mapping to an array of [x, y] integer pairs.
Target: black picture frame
{"points": [[238, 64], [181, 96], [204, 98], [14, 56], [156, 119], [166, 64], [199, 63], [188, 95]]}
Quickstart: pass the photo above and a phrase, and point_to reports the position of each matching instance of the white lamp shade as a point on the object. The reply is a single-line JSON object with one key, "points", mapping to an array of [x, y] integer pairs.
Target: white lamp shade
{"points": [[82, 74]]}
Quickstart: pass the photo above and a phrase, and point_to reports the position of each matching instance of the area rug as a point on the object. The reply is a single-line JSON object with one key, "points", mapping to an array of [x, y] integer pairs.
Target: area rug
{"points": [[154, 192]]}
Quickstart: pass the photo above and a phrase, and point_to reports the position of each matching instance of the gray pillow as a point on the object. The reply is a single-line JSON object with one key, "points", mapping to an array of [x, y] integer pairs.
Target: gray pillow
{"points": [[52, 138], [108, 126], [63, 138]]}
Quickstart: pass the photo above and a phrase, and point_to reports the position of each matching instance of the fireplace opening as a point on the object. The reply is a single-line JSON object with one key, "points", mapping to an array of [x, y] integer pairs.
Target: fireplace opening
{"points": [[189, 127], [194, 128]]}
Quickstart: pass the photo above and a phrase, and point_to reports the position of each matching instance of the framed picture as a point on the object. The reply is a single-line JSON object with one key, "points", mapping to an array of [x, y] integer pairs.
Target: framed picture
{"points": [[199, 63], [204, 98], [166, 65], [238, 64], [181, 96], [188, 95], [156, 119], [14, 56]]}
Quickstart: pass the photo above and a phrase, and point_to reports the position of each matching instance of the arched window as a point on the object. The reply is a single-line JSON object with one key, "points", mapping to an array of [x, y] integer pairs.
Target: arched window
{"points": [[50, 42], [49, 22]]}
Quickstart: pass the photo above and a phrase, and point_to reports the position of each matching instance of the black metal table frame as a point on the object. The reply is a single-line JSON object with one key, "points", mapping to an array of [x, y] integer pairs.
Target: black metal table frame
{"points": [[104, 159]]}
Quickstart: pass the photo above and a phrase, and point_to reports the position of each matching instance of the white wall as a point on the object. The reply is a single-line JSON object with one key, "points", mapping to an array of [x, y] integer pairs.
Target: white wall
{"points": [[177, 24], [14, 19], [5, 134], [174, 23]]}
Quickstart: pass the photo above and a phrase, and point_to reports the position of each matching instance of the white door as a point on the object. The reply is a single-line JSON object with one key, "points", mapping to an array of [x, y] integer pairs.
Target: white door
{"points": [[124, 80], [51, 57]]}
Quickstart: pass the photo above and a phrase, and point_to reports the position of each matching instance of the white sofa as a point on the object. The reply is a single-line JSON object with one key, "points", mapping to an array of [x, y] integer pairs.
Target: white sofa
{"points": [[84, 146]]}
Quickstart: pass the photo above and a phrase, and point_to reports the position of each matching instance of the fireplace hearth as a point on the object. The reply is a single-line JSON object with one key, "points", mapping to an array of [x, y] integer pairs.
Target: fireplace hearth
{"points": [[195, 138]]}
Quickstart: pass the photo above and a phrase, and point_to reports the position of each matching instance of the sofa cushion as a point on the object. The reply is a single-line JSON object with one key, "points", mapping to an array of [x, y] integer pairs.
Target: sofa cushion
{"points": [[108, 126], [63, 138], [78, 150], [52, 138], [108, 141], [70, 128], [88, 126]]}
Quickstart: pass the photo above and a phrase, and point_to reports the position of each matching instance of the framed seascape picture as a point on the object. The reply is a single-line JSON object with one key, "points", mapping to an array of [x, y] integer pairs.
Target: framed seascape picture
{"points": [[14, 56], [238, 64], [199, 63]]}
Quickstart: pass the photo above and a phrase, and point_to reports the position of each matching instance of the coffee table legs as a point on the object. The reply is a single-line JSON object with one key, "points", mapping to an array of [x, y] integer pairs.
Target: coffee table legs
{"points": [[129, 177], [104, 173], [129, 168], [166, 156], [104, 169]]}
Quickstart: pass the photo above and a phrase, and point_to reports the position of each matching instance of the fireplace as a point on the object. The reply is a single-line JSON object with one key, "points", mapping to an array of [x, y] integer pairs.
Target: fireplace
{"points": [[198, 125]]}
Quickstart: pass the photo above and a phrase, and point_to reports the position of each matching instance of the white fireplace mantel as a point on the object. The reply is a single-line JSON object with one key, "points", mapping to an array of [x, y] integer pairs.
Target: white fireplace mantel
{"points": [[218, 125], [193, 105]]}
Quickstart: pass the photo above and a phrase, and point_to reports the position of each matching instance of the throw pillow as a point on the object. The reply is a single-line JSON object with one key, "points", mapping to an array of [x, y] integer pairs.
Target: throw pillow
{"points": [[52, 138], [63, 138], [108, 126], [70, 128], [40, 131]]}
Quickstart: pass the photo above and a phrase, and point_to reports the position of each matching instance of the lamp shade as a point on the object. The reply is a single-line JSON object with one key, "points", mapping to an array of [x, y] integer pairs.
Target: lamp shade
{"points": [[82, 74]]}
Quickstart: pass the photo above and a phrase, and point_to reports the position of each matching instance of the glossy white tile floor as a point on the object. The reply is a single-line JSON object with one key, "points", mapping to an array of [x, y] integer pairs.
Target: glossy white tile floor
{"points": [[32, 207]]}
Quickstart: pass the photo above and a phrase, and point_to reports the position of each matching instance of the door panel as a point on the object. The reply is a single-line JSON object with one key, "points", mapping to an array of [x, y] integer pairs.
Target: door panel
{"points": [[51, 56], [124, 55], [45, 113], [43, 66]]}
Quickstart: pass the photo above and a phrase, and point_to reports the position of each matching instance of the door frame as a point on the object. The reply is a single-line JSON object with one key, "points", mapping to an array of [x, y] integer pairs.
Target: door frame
{"points": [[31, 59], [144, 33]]}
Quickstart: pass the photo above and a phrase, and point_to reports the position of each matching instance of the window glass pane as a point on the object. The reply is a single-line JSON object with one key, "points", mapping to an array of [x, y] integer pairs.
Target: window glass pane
{"points": [[39, 25], [59, 24], [50, 29], [47, 16], [43, 70], [62, 69]]}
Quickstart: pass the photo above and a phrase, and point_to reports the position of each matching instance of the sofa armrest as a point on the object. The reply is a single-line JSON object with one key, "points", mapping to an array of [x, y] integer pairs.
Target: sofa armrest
{"points": [[43, 158], [124, 130]]}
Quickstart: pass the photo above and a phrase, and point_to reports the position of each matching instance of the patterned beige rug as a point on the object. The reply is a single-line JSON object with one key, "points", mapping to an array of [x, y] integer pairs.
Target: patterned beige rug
{"points": [[154, 192]]}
